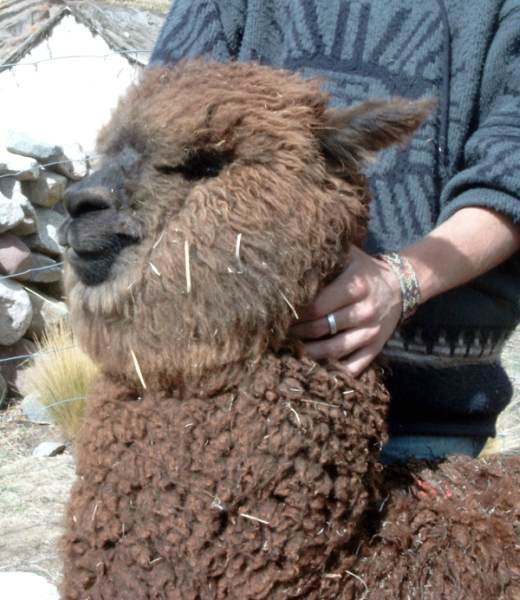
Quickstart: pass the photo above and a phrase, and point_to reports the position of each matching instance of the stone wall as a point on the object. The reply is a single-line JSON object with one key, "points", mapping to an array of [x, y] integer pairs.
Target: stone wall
{"points": [[33, 180]]}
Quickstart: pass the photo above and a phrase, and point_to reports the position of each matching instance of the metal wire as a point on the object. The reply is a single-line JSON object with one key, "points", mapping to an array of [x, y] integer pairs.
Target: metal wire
{"points": [[47, 268], [73, 399], [52, 164], [33, 354]]}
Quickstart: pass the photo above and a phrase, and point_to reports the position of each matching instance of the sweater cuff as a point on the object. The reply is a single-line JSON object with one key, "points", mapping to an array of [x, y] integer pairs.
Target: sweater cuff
{"points": [[496, 200]]}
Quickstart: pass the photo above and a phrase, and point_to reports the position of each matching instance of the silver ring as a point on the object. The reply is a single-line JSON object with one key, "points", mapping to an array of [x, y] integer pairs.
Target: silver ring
{"points": [[333, 326]]}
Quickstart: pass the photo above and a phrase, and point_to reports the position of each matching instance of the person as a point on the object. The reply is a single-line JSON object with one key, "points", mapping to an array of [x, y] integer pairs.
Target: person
{"points": [[446, 210]]}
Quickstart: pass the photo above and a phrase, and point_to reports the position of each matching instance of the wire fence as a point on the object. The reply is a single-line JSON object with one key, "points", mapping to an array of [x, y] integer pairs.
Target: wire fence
{"points": [[84, 159], [133, 54]]}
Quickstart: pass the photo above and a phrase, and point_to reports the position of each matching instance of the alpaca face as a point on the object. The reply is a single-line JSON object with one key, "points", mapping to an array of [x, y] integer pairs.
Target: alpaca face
{"points": [[226, 195]]}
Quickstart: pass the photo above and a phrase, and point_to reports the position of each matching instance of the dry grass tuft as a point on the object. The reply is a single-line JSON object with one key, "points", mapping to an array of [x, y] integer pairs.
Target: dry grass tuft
{"points": [[60, 376]]}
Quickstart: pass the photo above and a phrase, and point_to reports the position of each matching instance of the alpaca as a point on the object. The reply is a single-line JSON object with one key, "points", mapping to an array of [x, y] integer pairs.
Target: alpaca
{"points": [[446, 531], [217, 461]]}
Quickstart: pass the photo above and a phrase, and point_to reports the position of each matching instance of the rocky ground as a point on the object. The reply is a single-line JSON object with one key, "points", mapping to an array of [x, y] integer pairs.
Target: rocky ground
{"points": [[33, 492]]}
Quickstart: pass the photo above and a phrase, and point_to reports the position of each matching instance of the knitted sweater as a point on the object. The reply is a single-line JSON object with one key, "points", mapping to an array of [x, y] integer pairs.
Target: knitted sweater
{"points": [[445, 375]]}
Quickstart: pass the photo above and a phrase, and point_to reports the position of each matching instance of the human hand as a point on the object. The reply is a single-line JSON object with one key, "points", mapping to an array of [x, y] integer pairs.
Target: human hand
{"points": [[366, 302]]}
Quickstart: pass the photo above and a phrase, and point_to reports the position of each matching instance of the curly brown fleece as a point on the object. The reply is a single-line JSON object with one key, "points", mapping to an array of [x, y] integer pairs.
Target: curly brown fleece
{"points": [[449, 531], [243, 470], [255, 492]]}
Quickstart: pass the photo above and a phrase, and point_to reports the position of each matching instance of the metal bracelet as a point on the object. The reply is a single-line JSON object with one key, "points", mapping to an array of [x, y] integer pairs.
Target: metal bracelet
{"points": [[410, 291]]}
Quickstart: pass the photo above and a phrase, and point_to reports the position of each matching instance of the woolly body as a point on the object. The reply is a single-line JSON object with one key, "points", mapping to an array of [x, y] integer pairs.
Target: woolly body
{"points": [[242, 469]]}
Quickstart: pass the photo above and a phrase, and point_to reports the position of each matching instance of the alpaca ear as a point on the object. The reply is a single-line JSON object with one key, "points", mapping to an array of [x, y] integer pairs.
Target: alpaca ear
{"points": [[352, 136]]}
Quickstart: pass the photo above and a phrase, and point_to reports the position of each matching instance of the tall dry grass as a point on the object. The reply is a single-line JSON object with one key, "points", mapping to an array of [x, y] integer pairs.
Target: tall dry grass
{"points": [[60, 376]]}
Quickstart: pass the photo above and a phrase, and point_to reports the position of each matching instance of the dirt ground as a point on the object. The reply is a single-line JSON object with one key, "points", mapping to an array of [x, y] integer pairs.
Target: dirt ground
{"points": [[33, 492]]}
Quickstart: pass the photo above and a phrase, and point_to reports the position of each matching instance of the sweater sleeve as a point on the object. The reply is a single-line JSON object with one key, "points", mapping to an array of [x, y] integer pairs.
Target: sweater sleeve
{"points": [[200, 28], [490, 172]]}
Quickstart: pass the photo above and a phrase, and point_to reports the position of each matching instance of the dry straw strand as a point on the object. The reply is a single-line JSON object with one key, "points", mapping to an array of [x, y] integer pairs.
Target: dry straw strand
{"points": [[253, 518], [138, 369], [290, 305], [187, 264]]}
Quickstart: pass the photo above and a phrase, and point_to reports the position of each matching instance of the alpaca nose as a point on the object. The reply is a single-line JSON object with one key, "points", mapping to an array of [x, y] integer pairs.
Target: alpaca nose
{"points": [[82, 200]]}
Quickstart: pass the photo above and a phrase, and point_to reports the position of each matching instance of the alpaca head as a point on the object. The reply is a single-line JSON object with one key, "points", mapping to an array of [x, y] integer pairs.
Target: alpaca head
{"points": [[226, 195]]}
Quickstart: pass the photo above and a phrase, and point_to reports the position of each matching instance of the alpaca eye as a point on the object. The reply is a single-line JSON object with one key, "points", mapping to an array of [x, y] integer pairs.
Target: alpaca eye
{"points": [[198, 165]]}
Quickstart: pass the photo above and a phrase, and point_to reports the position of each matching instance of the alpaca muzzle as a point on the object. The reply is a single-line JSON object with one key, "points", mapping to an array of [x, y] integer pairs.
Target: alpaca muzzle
{"points": [[98, 227]]}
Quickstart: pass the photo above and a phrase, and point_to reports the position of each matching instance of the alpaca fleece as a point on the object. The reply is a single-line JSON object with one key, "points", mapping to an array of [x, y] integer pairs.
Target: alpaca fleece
{"points": [[445, 531], [242, 471], [215, 461], [253, 493]]}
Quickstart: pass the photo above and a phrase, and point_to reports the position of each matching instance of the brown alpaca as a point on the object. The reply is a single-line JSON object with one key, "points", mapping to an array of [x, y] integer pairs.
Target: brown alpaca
{"points": [[215, 462]]}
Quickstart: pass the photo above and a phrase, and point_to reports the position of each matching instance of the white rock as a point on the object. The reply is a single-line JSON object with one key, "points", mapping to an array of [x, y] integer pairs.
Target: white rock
{"points": [[34, 410], [45, 154], [48, 449], [42, 270], [80, 161], [15, 311], [11, 190], [23, 168], [45, 240], [46, 311], [11, 213], [18, 585]]}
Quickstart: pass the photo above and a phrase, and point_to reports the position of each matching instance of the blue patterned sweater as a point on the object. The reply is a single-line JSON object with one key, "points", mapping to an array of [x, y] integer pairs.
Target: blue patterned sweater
{"points": [[445, 374]]}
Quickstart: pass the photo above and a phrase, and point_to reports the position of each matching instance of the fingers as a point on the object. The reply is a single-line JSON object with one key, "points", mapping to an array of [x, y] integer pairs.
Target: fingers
{"points": [[343, 344], [359, 313], [357, 362], [344, 290]]}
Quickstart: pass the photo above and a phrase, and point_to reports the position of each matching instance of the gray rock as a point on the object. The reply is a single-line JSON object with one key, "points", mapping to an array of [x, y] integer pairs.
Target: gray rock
{"points": [[15, 256], [22, 585], [15, 312], [12, 366], [35, 411], [46, 154], [46, 311], [47, 191], [37, 192], [28, 225], [22, 168], [4, 389], [48, 449], [42, 269], [45, 240], [56, 185], [54, 289], [11, 213]]}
